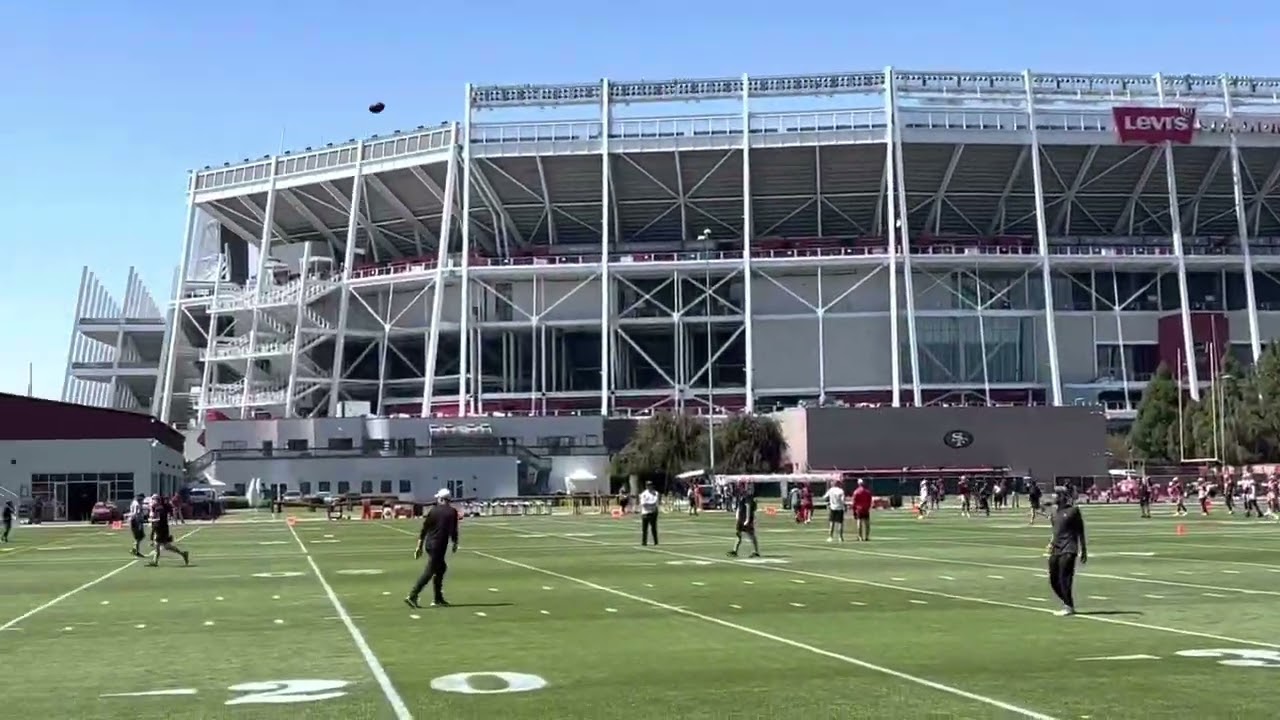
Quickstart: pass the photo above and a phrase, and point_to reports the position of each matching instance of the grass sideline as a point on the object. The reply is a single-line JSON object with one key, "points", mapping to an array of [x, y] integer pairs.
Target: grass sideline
{"points": [[565, 617]]}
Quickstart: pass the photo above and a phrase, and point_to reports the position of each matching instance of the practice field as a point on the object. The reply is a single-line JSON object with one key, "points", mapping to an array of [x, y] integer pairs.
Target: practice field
{"points": [[566, 618]]}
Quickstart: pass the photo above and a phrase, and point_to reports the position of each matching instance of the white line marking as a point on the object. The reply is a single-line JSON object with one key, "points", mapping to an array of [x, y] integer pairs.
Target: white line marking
{"points": [[480, 614], [611, 610], [1217, 595], [278, 621], [544, 612], [1231, 572], [1121, 657], [919, 602], [1185, 572], [1035, 599], [987, 601], [699, 584], [82, 588], [1154, 597], [735, 607], [797, 604], [1099, 597], [1008, 707], [945, 577], [152, 693], [375, 667], [898, 579], [859, 604], [996, 577], [747, 582], [798, 582]]}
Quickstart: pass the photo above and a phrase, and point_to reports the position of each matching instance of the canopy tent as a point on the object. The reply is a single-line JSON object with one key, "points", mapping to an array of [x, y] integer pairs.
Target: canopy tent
{"points": [[583, 481]]}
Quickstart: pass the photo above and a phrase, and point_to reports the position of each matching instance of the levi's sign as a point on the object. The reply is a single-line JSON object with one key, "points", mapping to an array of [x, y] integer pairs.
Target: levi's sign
{"points": [[1154, 125]]}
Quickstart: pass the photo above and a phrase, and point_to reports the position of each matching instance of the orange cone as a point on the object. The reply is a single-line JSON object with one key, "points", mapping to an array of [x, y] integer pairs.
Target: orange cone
{"points": [[1182, 530]]}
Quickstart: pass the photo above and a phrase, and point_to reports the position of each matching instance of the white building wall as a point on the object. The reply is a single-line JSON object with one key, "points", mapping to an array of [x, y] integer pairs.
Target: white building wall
{"points": [[20, 459], [482, 477]]}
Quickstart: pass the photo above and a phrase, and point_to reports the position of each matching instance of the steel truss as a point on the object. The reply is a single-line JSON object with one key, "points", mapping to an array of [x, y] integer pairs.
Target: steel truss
{"points": [[449, 244]]}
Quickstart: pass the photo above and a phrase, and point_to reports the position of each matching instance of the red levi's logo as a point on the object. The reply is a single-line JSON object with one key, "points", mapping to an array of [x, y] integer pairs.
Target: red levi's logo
{"points": [[1152, 125]]}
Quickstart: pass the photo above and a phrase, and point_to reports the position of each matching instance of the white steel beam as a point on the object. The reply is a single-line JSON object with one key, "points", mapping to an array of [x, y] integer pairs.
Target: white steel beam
{"points": [[899, 181], [1175, 221], [348, 264], [464, 320], [299, 317], [261, 284], [683, 199], [221, 215], [311, 218], [546, 200], [888, 200], [934, 219], [1131, 205], [484, 234], [1242, 228], [440, 287], [1062, 222], [357, 197], [75, 335], [494, 203], [606, 286], [998, 217], [174, 314], [398, 205], [1042, 237], [748, 229]]}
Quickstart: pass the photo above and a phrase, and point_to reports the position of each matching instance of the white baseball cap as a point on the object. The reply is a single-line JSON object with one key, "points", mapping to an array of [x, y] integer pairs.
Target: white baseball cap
{"points": [[442, 494]]}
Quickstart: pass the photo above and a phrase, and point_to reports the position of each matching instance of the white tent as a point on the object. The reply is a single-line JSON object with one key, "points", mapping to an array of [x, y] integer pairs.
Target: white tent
{"points": [[583, 481]]}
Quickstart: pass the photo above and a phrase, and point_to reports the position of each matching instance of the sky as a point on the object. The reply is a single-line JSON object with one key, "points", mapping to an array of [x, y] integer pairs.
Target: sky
{"points": [[105, 106]]}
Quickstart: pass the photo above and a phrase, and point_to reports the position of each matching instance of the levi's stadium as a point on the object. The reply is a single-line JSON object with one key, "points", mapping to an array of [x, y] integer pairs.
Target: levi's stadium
{"points": [[918, 275]]}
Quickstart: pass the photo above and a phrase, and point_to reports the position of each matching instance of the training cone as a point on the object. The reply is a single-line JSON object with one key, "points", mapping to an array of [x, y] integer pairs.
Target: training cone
{"points": [[1182, 530], [616, 514], [116, 525], [291, 521], [771, 510]]}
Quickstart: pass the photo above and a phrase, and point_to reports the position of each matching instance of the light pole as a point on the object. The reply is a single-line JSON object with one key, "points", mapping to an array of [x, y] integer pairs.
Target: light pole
{"points": [[705, 240]]}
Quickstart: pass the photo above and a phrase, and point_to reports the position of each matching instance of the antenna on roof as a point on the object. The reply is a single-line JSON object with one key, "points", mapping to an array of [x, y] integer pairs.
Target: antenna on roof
{"points": [[31, 371]]}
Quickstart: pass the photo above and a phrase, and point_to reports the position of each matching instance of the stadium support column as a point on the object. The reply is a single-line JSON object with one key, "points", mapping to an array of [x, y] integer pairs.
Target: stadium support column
{"points": [[900, 174], [344, 297], [1042, 240], [1242, 225], [299, 317], [748, 229], [464, 317], [1175, 223], [260, 287], [174, 328], [210, 338], [75, 336], [442, 257], [895, 350], [606, 284]]}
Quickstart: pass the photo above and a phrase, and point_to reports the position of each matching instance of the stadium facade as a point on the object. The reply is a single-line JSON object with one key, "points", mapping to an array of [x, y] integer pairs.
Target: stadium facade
{"points": [[886, 237]]}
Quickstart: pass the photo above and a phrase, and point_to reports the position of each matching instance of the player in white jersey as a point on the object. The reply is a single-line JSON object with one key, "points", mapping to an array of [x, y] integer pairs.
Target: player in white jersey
{"points": [[925, 492], [1249, 488], [835, 512]]}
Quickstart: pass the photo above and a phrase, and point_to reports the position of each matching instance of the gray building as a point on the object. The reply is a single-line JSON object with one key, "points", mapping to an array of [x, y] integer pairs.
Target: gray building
{"points": [[72, 456], [484, 457], [1048, 442]]}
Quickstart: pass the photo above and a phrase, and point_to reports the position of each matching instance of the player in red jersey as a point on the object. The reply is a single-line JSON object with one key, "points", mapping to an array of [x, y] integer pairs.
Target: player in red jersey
{"points": [[862, 511], [806, 504], [1273, 496], [966, 500]]}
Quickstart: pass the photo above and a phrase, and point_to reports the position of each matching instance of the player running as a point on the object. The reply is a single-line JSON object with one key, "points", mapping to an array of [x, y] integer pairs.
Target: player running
{"points": [[745, 522], [1033, 499], [6, 524], [162, 536], [835, 511]]}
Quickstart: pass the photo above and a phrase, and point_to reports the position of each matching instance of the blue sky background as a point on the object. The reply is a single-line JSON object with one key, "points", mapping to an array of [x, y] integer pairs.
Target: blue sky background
{"points": [[104, 106]]}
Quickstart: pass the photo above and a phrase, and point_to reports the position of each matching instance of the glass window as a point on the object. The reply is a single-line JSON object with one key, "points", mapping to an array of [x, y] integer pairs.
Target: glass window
{"points": [[296, 445], [344, 487], [325, 486], [406, 486], [238, 489], [366, 487], [341, 443], [385, 487], [304, 487]]}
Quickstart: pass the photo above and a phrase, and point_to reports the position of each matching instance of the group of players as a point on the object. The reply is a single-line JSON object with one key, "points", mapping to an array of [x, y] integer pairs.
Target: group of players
{"points": [[156, 512], [1229, 487]]}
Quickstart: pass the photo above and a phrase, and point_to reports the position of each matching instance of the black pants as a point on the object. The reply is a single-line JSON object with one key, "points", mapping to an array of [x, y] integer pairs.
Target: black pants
{"points": [[1062, 576], [433, 573], [4, 531], [648, 524]]}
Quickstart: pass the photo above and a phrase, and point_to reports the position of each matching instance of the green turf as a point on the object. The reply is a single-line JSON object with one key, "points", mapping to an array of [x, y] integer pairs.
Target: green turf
{"points": [[944, 618]]}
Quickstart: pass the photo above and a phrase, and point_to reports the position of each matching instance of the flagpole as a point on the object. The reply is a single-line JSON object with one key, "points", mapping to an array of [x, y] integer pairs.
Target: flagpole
{"points": [[31, 373]]}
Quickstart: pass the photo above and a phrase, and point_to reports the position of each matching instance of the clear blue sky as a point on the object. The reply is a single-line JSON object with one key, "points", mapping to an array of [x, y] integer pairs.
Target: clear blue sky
{"points": [[104, 106]]}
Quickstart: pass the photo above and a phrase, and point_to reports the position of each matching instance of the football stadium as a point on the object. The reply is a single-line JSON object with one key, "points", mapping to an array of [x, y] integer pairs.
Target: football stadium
{"points": [[918, 276]]}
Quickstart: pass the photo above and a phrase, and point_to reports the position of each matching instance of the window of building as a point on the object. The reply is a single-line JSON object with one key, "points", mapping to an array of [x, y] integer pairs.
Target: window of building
{"points": [[406, 486], [366, 487], [325, 486], [234, 445], [344, 487], [304, 487], [341, 443], [298, 445], [238, 489], [385, 487]]}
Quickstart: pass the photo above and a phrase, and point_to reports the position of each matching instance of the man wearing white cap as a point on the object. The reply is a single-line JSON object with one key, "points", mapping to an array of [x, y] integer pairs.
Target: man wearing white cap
{"points": [[439, 530]]}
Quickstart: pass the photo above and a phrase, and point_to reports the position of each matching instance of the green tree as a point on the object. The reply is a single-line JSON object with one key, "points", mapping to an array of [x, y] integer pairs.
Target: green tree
{"points": [[1154, 435], [1265, 397], [664, 446], [749, 444]]}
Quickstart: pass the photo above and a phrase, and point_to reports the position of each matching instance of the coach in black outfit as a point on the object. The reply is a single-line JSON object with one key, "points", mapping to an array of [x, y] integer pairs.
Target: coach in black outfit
{"points": [[439, 531], [1068, 542]]}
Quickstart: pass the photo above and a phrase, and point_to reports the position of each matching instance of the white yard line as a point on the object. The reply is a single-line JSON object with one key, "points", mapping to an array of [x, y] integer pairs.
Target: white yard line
{"points": [[983, 699], [375, 666], [967, 598], [70, 593]]}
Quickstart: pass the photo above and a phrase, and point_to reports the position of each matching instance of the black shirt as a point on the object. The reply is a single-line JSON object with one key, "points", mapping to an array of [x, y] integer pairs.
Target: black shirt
{"points": [[8, 515], [161, 526], [1068, 531], [439, 527], [747, 511], [1035, 492]]}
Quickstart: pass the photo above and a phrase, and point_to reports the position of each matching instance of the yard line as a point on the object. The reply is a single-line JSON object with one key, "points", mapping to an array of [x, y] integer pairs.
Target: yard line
{"points": [[967, 598], [102, 578], [375, 666], [1008, 707]]}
